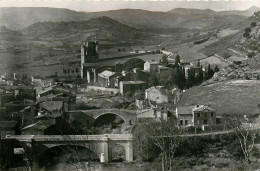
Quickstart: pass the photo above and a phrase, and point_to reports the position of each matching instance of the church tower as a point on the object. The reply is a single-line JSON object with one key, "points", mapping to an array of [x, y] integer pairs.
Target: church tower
{"points": [[89, 58]]}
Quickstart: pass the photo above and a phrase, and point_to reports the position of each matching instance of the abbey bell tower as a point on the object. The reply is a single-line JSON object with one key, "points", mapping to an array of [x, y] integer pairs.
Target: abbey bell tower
{"points": [[89, 60]]}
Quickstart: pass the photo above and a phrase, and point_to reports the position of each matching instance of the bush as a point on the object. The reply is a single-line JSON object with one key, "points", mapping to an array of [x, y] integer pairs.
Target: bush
{"points": [[253, 24], [246, 34], [248, 30], [133, 63]]}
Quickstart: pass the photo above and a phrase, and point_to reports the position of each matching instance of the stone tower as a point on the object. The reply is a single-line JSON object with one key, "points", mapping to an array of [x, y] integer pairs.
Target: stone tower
{"points": [[89, 60]]}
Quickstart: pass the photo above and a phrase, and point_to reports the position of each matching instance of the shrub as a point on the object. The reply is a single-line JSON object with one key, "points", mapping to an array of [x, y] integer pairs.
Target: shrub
{"points": [[248, 30], [253, 24], [246, 35]]}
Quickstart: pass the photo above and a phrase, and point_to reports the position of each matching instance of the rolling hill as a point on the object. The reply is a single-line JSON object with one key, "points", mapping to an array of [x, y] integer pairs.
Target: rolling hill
{"points": [[230, 97], [248, 12], [98, 28], [18, 18], [190, 11]]}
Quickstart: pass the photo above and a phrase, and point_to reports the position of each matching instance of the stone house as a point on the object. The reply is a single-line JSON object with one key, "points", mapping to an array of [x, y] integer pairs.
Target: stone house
{"points": [[198, 115], [156, 94], [152, 113], [9, 128], [107, 79], [151, 66], [131, 87], [193, 69]]}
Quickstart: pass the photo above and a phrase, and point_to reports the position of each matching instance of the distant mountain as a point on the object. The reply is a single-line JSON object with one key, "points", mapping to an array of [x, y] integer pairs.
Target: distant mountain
{"points": [[189, 11], [17, 18], [103, 28], [250, 11], [149, 19]]}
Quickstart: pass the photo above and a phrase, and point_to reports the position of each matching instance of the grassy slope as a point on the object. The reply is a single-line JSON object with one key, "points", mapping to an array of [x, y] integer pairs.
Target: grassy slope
{"points": [[236, 96]]}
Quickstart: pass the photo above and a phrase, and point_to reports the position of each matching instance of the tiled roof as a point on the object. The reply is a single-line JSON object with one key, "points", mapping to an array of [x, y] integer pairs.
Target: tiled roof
{"points": [[106, 74], [158, 89], [132, 82], [185, 110], [40, 125], [203, 108], [7, 124], [52, 105]]}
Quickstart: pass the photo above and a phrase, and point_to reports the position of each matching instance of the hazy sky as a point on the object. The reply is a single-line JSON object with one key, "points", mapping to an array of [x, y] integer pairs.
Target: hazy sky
{"points": [[153, 5]]}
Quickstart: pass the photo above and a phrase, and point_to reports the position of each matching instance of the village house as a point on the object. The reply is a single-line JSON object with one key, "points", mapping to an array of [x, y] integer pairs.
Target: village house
{"points": [[198, 115], [38, 128], [152, 114], [9, 128], [193, 69], [157, 94], [52, 106], [126, 87], [151, 66], [107, 79]]}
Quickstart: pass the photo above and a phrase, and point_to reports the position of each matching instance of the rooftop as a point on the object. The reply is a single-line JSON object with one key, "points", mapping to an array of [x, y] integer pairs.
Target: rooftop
{"points": [[106, 74], [7, 124], [52, 105], [184, 110], [132, 82], [41, 125], [203, 108]]}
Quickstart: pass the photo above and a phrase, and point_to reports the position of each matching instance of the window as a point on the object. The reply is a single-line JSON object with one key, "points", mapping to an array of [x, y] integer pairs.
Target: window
{"points": [[186, 122], [205, 121], [212, 114], [198, 122], [206, 115], [181, 122], [130, 122], [198, 115]]}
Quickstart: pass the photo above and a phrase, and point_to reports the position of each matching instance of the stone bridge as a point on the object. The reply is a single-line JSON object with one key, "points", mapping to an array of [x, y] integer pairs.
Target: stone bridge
{"points": [[99, 144], [129, 116]]}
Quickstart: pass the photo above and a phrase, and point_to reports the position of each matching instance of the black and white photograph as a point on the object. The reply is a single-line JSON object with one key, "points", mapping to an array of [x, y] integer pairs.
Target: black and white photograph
{"points": [[113, 85]]}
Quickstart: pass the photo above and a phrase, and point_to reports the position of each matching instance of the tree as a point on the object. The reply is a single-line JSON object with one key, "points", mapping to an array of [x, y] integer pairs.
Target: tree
{"points": [[153, 81], [246, 34], [216, 69], [210, 72], [253, 24], [248, 30], [165, 60], [200, 77], [245, 131], [198, 63], [189, 80], [166, 136], [139, 95], [177, 60], [133, 63]]}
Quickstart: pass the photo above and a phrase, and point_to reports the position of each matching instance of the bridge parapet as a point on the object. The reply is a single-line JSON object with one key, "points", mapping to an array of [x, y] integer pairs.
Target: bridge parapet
{"points": [[120, 137], [71, 138]]}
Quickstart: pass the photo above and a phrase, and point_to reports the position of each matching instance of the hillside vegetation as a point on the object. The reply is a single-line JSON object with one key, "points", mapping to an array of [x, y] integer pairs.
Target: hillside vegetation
{"points": [[18, 18], [230, 97], [96, 28]]}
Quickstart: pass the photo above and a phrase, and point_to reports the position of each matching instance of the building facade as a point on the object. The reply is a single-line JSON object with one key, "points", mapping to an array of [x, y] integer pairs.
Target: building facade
{"points": [[198, 115]]}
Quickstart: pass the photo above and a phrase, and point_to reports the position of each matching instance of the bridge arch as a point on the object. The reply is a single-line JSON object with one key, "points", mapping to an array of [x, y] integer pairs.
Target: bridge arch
{"points": [[113, 113], [71, 150]]}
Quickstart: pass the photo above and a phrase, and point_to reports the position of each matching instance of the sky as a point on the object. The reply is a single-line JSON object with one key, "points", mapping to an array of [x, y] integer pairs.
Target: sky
{"points": [[152, 5]]}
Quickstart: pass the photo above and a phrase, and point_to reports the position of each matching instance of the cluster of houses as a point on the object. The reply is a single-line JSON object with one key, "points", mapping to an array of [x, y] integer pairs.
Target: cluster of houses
{"points": [[38, 105]]}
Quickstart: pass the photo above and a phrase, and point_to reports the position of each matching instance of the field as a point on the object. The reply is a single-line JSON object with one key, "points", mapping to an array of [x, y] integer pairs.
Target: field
{"points": [[213, 61], [231, 97]]}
